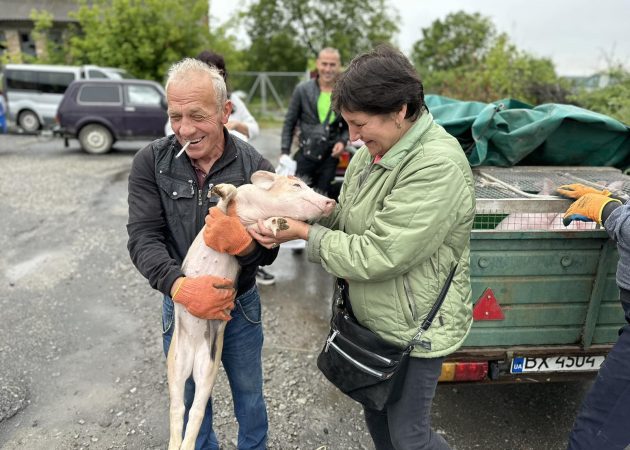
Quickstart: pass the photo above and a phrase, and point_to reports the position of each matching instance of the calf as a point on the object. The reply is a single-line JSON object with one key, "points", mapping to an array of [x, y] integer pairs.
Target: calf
{"points": [[197, 343]]}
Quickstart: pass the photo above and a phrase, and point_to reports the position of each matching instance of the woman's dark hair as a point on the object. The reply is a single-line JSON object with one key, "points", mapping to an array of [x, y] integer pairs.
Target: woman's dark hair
{"points": [[380, 82], [214, 59]]}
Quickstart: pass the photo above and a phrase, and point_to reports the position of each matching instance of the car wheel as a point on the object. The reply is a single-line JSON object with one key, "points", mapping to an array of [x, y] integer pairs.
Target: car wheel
{"points": [[28, 121], [95, 139]]}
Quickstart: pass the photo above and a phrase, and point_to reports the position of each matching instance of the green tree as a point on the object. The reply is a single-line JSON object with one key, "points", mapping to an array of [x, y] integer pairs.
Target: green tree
{"points": [[612, 100], [461, 39], [286, 34], [464, 57], [142, 36], [53, 52], [273, 44]]}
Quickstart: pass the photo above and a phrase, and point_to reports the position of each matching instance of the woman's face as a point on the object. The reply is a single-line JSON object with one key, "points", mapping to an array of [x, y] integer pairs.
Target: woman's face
{"points": [[378, 131]]}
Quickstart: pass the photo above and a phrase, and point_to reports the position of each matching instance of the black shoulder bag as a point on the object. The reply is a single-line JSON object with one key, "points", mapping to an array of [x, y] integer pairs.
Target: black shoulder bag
{"points": [[360, 363], [315, 146]]}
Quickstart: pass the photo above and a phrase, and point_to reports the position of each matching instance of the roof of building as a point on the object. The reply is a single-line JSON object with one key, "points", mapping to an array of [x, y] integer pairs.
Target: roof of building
{"points": [[20, 10]]}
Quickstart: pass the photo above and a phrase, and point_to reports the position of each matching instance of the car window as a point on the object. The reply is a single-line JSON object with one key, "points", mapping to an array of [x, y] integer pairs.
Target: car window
{"points": [[122, 73], [44, 81], [143, 95], [102, 93], [96, 74], [54, 82], [21, 79]]}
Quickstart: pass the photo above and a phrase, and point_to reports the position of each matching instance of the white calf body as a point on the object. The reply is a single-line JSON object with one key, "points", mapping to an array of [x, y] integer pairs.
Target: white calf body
{"points": [[197, 344]]}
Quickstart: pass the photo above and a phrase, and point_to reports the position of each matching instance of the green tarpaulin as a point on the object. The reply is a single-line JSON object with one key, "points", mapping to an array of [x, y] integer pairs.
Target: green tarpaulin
{"points": [[509, 132]]}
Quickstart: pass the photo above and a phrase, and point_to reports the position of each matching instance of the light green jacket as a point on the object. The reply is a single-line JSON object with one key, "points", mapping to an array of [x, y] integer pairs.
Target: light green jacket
{"points": [[400, 226]]}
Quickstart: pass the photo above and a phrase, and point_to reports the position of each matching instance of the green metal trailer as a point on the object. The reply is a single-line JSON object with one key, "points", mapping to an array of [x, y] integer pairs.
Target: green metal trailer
{"points": [[546, 302]]}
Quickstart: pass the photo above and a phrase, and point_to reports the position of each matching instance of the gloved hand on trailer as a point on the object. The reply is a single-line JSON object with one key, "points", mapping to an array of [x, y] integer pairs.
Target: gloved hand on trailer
{"points": [[207, 297], [587, 208], [224, 232], [577, 190]]}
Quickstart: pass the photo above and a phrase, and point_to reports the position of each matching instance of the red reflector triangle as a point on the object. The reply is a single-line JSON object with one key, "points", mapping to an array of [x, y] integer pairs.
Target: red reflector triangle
{"points": [[487, 307]]}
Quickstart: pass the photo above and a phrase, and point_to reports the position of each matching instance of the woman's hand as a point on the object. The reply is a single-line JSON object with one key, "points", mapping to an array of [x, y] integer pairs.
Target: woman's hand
{"points": [[296, 230]]}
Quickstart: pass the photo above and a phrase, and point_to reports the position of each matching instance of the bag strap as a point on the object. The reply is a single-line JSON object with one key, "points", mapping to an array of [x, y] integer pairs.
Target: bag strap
{"points": [[326, 125], [426, 323], [325, 122], [340, 298]]}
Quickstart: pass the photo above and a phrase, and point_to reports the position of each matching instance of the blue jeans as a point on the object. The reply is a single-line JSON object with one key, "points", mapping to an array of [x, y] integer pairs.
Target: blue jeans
{"points": [[242, 361], [603, 422]]}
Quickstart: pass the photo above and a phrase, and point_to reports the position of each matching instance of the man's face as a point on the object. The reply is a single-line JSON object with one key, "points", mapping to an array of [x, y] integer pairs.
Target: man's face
{"points": [[192, 110], [328, 66]]}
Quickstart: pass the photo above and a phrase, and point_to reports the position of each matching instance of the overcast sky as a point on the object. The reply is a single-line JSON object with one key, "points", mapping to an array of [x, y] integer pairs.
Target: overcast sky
{"points": [[580, 36]]}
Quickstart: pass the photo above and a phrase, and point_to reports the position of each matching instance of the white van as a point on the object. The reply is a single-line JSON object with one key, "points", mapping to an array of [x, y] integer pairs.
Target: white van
{"points": [[34, 91]]}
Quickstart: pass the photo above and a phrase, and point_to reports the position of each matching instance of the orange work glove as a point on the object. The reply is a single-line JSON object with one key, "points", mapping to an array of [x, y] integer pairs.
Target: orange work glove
{"points": [[225, 233], [577, 190], [207, 297], [587, 208]]}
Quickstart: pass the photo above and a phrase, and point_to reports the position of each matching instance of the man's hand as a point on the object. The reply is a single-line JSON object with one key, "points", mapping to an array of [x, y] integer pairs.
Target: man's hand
{"points": [[225, 233], [588, 208], [577, 190], [338, 148], [207, 297], [286, 166]]}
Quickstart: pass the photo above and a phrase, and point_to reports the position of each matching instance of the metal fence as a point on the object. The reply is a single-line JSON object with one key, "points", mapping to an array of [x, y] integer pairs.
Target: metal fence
{"points": [[267, 94]]}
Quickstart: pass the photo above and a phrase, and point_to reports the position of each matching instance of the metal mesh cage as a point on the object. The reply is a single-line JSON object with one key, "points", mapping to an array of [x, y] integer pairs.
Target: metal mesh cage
{"points": [[525, 199]]}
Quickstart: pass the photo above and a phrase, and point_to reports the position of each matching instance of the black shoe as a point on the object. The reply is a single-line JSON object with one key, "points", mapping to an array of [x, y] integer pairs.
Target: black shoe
{"points": [[264, 277]]}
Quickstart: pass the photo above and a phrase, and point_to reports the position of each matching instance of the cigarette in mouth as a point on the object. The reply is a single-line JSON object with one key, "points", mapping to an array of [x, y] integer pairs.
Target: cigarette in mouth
{"points": [[183, 149]]}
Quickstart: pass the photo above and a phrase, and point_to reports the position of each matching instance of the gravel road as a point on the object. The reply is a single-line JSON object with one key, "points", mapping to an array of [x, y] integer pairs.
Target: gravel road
{"points": [[81, 362]]}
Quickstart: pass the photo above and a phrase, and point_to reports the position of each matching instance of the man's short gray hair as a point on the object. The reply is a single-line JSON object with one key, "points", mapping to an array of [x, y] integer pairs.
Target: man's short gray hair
{"points": [[329, 50], [183, 69]]}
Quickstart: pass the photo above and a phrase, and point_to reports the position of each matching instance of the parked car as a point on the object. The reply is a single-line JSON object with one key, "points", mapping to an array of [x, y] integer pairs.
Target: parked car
{"points": [[34, 91], [100, 112], [113, 73]]}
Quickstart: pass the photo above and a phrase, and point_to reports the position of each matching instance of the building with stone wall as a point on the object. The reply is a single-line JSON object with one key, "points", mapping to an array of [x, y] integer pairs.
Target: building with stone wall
{"points": [[16, 26]]}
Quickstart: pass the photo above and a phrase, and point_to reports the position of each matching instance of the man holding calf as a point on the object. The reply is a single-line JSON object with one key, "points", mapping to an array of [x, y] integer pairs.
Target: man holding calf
{"points": [[168, 204]]}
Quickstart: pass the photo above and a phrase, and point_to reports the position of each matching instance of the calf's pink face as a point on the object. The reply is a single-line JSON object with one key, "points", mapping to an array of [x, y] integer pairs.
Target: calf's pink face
{"points": [[289, 197]]}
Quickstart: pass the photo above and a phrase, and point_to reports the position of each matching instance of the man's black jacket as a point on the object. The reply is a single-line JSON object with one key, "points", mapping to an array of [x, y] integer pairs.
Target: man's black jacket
{"points": [[303, 111], [167, 208]]}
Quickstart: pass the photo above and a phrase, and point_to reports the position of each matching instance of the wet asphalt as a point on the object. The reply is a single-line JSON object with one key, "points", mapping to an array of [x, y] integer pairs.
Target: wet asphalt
{"points": [[81, 363]]}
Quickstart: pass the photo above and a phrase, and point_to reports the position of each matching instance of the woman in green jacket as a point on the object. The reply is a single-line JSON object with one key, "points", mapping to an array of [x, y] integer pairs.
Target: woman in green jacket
{"points": [[403, 221]]}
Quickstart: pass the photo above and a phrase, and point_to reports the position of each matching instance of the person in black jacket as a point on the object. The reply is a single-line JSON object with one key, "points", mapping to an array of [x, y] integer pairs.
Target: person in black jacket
{"points": [[323, 135], [168, 204]]}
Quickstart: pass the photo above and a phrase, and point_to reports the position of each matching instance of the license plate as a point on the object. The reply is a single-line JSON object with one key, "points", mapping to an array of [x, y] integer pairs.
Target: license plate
{"points": [[524, 364]]}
